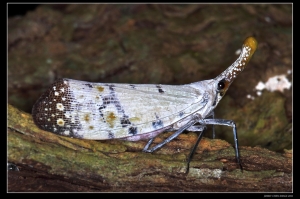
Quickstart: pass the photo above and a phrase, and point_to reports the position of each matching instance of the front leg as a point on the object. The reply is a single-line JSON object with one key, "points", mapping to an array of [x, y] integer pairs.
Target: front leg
{"points": [[212, 115], [189, 125], [232, 124]]}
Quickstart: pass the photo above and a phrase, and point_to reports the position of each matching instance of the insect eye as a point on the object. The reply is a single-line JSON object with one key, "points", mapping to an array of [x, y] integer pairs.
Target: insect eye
{"points": [[221, 85]]}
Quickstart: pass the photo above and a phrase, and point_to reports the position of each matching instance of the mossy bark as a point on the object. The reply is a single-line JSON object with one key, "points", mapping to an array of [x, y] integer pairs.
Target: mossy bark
{"points": [[52, 163]]}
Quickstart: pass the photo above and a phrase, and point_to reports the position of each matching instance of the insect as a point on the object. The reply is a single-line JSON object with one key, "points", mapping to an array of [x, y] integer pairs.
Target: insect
{"points": [[101, 111]]}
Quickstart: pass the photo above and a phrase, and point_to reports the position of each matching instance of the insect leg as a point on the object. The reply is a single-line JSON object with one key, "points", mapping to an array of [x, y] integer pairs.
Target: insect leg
{"points": [[196, 128], [148, 144], [194, 120], [212, 115], [194, 149], [213, 126], [231, 124]]}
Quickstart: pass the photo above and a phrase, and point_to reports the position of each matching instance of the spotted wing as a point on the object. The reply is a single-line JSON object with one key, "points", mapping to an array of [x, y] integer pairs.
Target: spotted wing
{"points": [[105, 111]]}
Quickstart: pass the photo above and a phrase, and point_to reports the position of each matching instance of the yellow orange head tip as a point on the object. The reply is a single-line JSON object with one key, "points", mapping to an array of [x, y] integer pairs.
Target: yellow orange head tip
{"points": [[252, 43]]}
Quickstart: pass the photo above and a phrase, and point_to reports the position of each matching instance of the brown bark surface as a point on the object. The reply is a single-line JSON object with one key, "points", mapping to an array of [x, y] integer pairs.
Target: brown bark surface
{"points": [[51, 163]]}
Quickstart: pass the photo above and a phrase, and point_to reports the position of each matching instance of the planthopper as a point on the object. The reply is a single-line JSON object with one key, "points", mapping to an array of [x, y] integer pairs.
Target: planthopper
{"points": [[101, 111]]}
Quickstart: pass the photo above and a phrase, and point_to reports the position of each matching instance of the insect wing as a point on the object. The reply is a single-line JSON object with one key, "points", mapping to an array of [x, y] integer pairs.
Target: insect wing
{"points": [[106, 111], [125, 110]]}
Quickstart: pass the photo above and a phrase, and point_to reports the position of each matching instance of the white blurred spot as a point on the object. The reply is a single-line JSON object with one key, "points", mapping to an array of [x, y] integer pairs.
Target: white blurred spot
{"points": [[268, 19], [250, 97], [260, 86], [238, 51], [276, 83], [49, 61], [258, 93]]}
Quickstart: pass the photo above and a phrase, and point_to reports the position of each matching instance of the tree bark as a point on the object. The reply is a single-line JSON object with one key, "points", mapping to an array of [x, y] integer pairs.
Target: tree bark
{"points": [[52, 163]]}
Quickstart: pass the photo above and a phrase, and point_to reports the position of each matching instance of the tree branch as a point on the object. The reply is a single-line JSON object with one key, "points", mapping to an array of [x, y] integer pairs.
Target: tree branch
{"points": [[48, 162]]}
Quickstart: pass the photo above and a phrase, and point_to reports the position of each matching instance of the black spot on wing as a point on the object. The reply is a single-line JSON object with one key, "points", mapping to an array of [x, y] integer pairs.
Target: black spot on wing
{"points": [[157, 124], [180, 114], [89, 85], [100, 110], [111, 87], [132, 86], [132, 130], [125, 121], [111, 135], [160, 90]]}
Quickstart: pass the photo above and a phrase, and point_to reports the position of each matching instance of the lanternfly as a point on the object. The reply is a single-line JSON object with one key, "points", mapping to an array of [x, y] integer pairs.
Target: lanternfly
{"points": [[100, 111]]}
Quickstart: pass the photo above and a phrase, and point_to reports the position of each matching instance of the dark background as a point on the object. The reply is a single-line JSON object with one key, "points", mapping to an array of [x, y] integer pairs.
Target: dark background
{"points": [[20, 9]]}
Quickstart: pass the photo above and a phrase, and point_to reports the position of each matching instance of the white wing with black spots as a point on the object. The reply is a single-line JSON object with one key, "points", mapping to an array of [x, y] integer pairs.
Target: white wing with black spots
{"points": [[105, 111]]}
